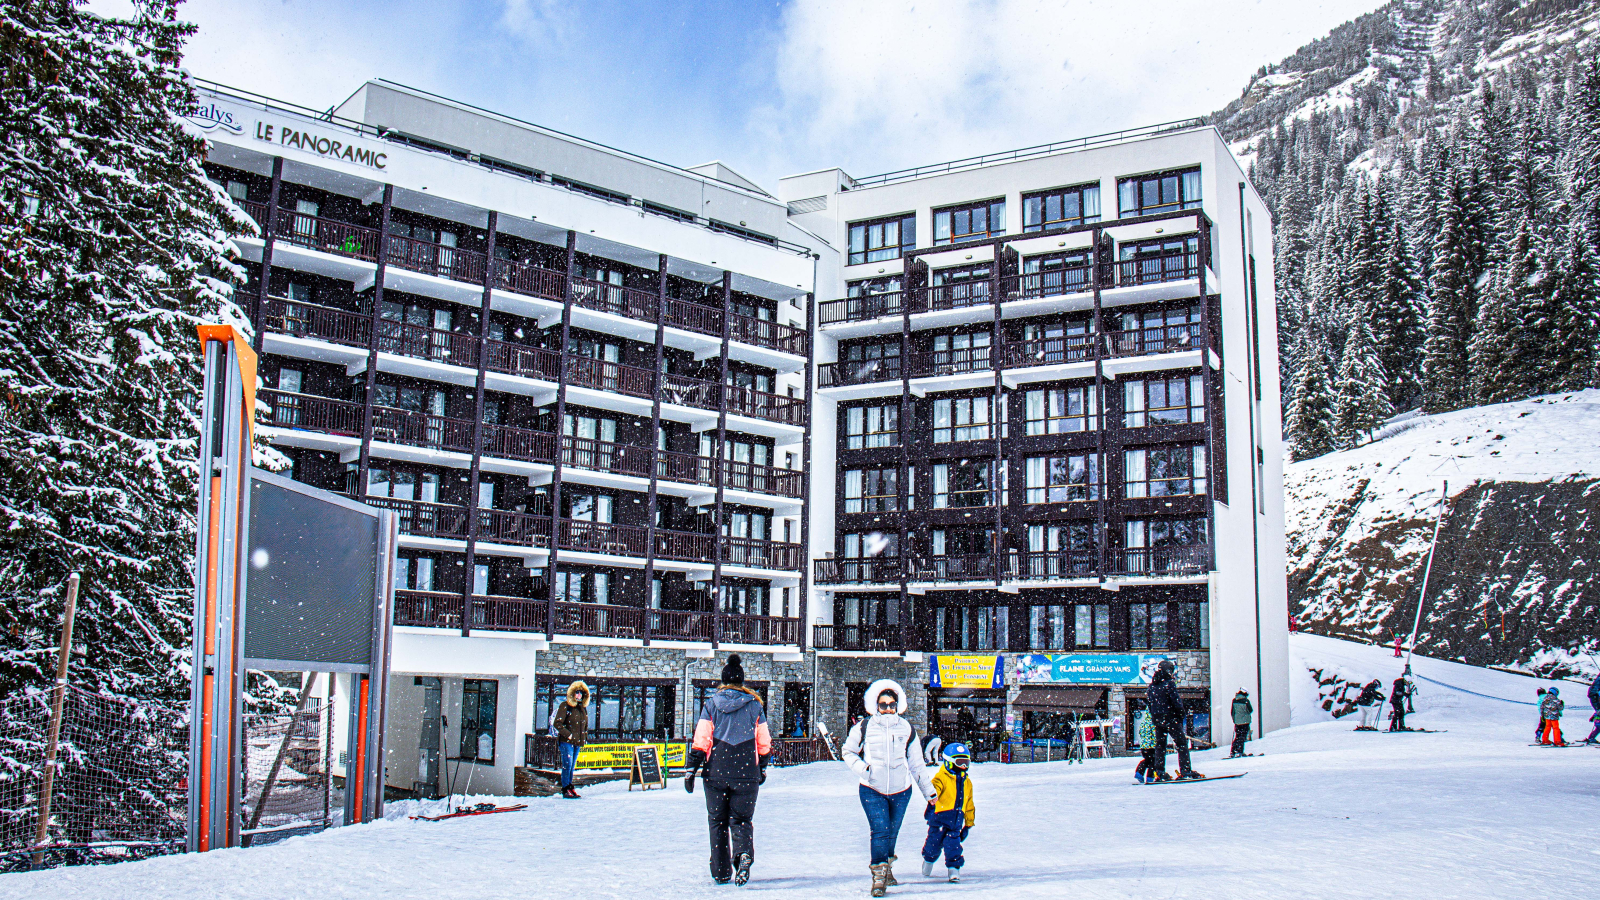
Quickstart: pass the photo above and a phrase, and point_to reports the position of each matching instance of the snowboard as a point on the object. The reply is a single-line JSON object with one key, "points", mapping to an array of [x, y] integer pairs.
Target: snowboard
{"points": [[473, 811], [1190, 780]]}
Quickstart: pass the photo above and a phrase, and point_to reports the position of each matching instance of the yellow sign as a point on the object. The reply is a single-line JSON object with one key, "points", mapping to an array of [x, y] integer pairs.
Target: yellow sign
{"points": [[966, 672], [620, 756]]}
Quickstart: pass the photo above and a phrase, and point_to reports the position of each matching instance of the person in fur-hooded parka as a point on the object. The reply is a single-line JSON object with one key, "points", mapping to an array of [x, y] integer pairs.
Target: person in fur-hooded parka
{"points": [[570, 724], [883, 751]]}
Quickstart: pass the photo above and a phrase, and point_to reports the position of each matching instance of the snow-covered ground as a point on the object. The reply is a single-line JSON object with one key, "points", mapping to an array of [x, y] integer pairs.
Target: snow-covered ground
{"points": [[1326, 813]]}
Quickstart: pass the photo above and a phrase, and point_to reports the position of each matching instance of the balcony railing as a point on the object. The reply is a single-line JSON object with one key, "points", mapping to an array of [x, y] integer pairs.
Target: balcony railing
{"points": [[1145, 341], [950, 362], [336, 326], [968, 567], [841, 374], [1049, 351], [1157, 268], [439, 609], [422, 519], [860, 309], [289, 410], [1048, 564], [1190, 560], [468, 266], [858, 637], [868, 570]]}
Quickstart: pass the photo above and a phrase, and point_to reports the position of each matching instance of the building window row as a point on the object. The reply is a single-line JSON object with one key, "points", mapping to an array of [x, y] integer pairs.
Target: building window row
{"points": [[1161, 625]]}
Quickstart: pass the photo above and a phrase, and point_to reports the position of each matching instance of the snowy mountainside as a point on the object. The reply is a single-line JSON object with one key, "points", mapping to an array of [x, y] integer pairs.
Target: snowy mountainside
{"points": [[1514, 580]]}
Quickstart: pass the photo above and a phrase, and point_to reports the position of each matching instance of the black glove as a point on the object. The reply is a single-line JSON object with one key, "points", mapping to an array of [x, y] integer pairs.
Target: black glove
{"points": [[697, 758], [762, 777], [964, 832], [688, 781]]}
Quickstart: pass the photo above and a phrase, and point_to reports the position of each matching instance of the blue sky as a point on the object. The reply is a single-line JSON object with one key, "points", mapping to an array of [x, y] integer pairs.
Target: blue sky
{"points": [[773, 88]]}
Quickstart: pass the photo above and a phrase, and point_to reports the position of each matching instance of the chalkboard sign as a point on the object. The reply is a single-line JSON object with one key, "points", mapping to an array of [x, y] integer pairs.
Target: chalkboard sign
{"points": [[646, 771]]}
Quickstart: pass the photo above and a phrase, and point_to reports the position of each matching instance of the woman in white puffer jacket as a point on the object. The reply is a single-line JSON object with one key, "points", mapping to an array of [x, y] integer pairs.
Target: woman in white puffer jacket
{"points": [[883, 751]]}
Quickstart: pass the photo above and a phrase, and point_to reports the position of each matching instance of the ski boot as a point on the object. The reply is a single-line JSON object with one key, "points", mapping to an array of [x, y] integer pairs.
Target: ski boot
{"points": [[927, 868], [880, 879], [741, 873], [955, 875]]}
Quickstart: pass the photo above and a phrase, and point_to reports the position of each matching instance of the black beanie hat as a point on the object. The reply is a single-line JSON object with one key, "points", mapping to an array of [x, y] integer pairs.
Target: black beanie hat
{"points": [[733, 672]]}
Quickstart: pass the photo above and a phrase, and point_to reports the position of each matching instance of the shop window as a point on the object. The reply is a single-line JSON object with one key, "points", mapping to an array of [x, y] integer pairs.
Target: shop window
{"points": [[618, 713]]}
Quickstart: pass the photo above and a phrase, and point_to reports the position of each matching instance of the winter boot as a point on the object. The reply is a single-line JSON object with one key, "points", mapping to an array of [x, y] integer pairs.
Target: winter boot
{"points": [[880, 879], [890, 881], [1138, 776], [1191, 774], [741, 873], [1159, 776], [927, 868], [955, 875]]}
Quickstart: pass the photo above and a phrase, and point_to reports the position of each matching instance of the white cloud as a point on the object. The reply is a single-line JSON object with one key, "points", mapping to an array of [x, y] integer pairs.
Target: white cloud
{"points": [[881, 85]]}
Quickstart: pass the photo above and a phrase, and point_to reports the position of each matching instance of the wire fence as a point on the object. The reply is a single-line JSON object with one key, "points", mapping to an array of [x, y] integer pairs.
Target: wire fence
{"points": [[119, 789], [288, 785]]}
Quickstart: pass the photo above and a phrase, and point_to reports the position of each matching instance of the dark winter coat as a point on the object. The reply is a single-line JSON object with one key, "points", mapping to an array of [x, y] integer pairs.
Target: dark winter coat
{"points": [[571, 719], [1242, 708], [1370, 695], [731, 739], [1166, 707], [1399, 691], [1594, 694]]}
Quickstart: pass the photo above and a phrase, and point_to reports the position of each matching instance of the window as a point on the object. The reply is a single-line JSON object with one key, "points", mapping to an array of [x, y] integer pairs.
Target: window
{"points": [[951, 625], [1161, 330], [422, 400], [1153, 262], [305, 219], [1047, 627], [1147, 626], [1061, 550], [587, 506], [744, 599], [480, 699], [590, 442], [966, 483], [953, 353], [994, 627], [869, 544], [1068, 272], [618, 712], [1166, 400], [1062, 410], [961, 287], [1044, 343], [870, 361], [583, 585], [756, 381], [1092, 623], [871, 490], [867, 427], [1165, 471], [969, 222], [1146, 194], [882, 239], [1166, 532], [238, 191], [413, 573], [1061, 208], [964, 418], [1193, 630], [748, 525], [596, 350], [1063, 479], [403, 484], [1159, 546]]}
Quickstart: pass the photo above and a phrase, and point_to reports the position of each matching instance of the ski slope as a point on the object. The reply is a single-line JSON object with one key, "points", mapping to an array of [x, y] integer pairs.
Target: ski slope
{"points": [[1326, 813]]}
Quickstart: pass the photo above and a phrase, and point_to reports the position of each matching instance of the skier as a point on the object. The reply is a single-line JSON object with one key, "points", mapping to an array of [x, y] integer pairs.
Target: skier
{"points": [[1538, 700], [1166, 709], [1399, 693], [883, 751], [1144, 730], [1551, 709], [732, 742], [950, 814], [1370, 702], [932, 751], [570, 724], [1242, 708], [1594, 701]]}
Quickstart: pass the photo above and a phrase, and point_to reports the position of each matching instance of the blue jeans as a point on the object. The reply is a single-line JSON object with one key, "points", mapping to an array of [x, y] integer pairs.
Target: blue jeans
{"points": [[569, 758], [884, 813]]}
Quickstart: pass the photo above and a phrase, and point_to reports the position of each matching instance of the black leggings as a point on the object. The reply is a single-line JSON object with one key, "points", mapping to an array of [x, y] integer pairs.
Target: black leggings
{"points": [[730, 805]]}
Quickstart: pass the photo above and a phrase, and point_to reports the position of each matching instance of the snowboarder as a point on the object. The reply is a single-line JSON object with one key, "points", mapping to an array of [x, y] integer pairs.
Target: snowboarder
{"points": [[950, 814], [1144, 730], [1370, 703], [1551, 709], [733, 744], [1538, 700], [1166, 709], [1594, 701], [1399, 693], [1242, 709], [883, 751], [570, 724]]}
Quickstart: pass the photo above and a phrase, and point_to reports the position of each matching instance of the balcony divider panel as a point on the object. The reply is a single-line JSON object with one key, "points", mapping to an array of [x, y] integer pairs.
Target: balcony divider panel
{"points": [[369, 382], [721, 456], [475, 474], [651, 498], [805, 487], [560, 426], [269, 239], [1103, 419], [1207, 382], [995, 418], [903, 439]]}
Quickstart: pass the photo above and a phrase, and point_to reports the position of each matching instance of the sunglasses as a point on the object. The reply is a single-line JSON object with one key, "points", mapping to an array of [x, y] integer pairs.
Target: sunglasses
{"points": [[886, 704]]}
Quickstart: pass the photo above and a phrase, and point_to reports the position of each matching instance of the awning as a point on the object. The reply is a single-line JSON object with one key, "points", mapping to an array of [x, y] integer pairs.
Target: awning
{"points": [[1076, 699]]}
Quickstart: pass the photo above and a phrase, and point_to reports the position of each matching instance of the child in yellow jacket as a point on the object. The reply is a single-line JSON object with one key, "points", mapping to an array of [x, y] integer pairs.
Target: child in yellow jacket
{"points": [[951, 814]]}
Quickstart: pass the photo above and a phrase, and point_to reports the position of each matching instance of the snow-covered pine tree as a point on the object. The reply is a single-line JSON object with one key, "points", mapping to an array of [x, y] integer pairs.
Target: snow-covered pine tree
{"points": [[1452, 306], [1505, 350], [114, 248], [1571, 355], [1361, 397], [1310, 423], [1397, 318]]}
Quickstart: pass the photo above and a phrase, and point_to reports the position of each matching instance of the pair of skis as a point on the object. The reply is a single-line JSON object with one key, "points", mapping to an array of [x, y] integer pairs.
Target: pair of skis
{"points": [[481, 809], [1192, 780]]}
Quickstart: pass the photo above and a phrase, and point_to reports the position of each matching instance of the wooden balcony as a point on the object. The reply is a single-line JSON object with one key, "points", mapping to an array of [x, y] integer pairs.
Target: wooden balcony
{"points": [[882, 638], [438, 609], [1161, 561], [871, 570], [469, 266]]}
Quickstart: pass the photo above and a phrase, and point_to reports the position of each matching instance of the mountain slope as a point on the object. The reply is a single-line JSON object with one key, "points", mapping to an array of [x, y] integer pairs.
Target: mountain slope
{"points": [[1514, 579]]}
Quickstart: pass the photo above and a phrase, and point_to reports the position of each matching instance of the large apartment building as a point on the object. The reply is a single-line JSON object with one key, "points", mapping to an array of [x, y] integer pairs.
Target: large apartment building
{"points": [[636, 417]]}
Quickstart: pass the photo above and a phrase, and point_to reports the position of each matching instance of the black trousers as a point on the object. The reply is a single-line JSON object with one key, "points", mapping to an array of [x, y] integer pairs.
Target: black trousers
{"points": [[730, 805], [1397, 718], [1179, 740], [1241, 733]]}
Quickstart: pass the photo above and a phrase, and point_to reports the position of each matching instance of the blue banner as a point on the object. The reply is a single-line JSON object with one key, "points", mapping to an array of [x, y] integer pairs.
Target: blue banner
{"points": [[1087, 668]]}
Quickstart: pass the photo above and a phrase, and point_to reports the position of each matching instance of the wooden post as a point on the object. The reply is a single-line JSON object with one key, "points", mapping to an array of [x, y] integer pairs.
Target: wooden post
{"points": [[58, 703]]}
